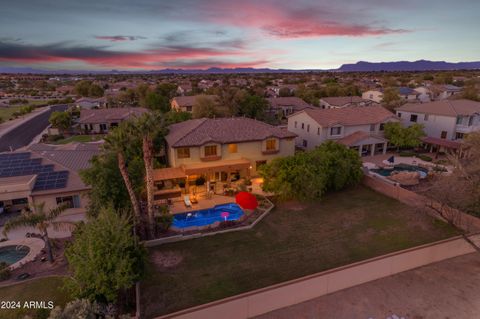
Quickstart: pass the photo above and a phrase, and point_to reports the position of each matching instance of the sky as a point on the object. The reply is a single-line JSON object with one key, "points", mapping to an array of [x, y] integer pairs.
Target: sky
{"points": [[198, 34]]}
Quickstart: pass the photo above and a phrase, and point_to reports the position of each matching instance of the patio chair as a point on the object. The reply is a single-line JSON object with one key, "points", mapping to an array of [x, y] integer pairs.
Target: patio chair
{"points": [[186, 200]]}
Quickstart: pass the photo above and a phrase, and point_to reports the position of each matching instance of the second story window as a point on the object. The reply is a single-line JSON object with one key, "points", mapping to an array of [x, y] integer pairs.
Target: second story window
{"points": [[399, 114], [425, 117], [303, 126], [183, 152], [211, 150], [295, 124], [335, 131], [232, 148], [308, 127], [382, 127], [413, 118], [372, 127], [318, 131], [271, 145]]}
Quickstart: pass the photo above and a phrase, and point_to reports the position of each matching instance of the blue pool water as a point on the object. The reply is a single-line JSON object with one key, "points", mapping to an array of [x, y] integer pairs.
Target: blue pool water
{"points": [[12, 254], [208, 216], [402, 167]]}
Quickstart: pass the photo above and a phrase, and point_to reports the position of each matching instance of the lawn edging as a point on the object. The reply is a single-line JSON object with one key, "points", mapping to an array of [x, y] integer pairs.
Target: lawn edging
{"points": [[181, 237], [264, 300]]}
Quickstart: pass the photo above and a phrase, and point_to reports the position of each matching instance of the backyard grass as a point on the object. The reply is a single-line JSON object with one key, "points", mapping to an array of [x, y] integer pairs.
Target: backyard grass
{"points": [[294, 240], [79, 138], [43, 289]]}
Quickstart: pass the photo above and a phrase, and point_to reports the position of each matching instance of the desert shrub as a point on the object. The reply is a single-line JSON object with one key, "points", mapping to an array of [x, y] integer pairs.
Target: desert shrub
{"points": [[425, 158]]}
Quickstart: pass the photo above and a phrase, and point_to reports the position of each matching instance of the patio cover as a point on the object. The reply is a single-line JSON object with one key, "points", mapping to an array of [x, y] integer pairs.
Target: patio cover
{"points": [[210, 167], [361, 138], [163, 174], [442, 142]]}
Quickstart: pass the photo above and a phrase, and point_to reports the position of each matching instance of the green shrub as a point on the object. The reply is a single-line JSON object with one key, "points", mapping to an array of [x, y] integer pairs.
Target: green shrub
{"points": [[424, 157], [54, 138], [163, 222], [406, 154]]}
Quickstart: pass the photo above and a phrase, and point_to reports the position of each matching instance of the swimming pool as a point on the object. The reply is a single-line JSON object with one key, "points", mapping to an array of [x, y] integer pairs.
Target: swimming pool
{"points": [[218, 213], [402, 168], [12, 254]]}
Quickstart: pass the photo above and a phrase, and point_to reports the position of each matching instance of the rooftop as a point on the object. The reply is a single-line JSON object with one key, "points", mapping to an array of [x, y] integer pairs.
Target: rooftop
{"points": [[350, 115], [343, 100], [109, 115], [190, 100], [451, 108], [198, 132]]}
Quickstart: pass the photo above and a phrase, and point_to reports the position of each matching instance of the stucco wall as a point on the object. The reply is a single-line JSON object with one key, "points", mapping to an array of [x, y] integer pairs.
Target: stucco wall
{"points": [[51, 202], [434, 125]]}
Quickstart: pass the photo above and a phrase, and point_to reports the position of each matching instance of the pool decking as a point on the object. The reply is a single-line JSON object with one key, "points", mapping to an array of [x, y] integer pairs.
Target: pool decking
{"points": [[203, 203]]}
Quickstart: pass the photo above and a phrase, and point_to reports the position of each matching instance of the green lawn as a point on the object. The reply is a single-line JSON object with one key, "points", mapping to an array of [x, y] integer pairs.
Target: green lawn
{"points": [[79, 138], [43, 289], [7, 112], [294, 240]]}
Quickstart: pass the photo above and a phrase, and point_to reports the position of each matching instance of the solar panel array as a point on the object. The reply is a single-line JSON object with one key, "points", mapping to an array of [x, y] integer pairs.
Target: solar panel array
{"points": [[20, 164]]}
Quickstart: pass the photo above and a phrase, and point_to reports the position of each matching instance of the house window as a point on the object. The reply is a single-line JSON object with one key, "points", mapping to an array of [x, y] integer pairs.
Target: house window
{"points": [[304, 143], [20, 201], [425, 117], [372, 127], [211, 150], [308, 127], [470, 121], [232, 148], [189, 108], [318, 131], [443, 135], [183, 152], [413, 118], [303, 126], [459, 136], [335, 130], [382, 127], [103, 127], [459, 120], [69, 201], [399, 114], [295, 124], [271, 145]]}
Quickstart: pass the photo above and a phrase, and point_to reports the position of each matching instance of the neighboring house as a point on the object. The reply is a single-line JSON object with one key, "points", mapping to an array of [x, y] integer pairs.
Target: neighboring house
{"points": [[359, 128], [373, 95], [338, 102], [99, 121], [407, 94], [45, 174], [184, 88], [287, 105], [445, 119], [445, 91], [91, 103], [219, 150], [424, 94], [187, 103]]}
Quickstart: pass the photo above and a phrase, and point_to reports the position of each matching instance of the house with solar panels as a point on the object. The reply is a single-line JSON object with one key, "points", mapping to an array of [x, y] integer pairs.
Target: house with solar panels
{"points": [[44, 174]]}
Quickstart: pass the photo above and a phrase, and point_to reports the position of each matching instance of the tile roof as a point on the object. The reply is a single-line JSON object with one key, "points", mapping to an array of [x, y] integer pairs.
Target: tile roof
{"points": [[343, 100], [293, 101], [358, 136], [109, 115], [190, 100], [198, 132], [349, 115], [451, 108]]}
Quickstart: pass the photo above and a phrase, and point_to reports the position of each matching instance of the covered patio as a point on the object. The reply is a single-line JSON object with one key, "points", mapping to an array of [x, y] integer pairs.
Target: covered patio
{"points": [[366, 144], [436, 145]]}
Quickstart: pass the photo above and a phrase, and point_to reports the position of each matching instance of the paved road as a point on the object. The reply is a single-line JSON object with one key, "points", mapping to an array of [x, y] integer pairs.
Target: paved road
{"points": [[24, 133]]}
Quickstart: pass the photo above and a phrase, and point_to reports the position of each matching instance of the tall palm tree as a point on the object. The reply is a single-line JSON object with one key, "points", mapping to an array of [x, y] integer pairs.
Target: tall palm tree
{"points": [[40, 220], [117, 141], [150, 126]]}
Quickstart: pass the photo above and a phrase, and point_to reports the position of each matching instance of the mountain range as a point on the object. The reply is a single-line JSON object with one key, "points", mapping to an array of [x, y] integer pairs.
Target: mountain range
{"points": [[361, 66]]}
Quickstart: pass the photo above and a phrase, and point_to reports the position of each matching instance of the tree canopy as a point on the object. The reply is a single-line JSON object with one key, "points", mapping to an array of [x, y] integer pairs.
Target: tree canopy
{"points": [[308, 175], [104, 258], [61, 120], [404, 137]]}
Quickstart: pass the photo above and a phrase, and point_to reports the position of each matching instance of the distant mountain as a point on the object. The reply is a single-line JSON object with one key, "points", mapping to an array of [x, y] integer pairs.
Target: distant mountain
{"points": [[420, 65], [361, 66]]}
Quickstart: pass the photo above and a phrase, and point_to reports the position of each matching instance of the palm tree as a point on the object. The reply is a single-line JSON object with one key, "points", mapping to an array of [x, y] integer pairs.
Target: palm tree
{"points": [[40, 220], [149, 126], [117, 141]]}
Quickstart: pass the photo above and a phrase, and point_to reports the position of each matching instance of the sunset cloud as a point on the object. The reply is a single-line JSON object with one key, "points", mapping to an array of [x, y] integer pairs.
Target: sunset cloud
{"points": [[118, 38]]}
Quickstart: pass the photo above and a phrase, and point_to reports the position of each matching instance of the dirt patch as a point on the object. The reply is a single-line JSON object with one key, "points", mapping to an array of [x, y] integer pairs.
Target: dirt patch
{"points": [[166, 259], [294, 205]]}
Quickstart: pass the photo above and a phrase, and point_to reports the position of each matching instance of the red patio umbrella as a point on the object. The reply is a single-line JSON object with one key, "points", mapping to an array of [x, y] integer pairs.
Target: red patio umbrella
{"points": [[246, 200]]}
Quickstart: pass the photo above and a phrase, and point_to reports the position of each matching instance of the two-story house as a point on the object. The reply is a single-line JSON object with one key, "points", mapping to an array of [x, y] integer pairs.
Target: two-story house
{"points": [[359, 128], [286, 105], [373, 95], [445, 119], [219, 150]]}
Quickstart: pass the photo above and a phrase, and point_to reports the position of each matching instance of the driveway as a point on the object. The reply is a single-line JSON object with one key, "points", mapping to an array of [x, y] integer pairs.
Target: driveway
{"points": [[448, 289], [22, 134]]}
